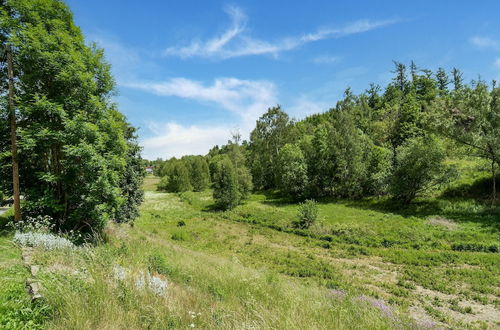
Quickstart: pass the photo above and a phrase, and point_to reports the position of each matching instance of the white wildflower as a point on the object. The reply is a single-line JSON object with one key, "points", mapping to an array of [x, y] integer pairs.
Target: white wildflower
{"points": [[119, 273], [157, 285], [45, 240]]}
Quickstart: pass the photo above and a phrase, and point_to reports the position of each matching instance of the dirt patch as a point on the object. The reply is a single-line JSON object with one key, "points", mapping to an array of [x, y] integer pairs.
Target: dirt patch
{"points": [[483, 313]]}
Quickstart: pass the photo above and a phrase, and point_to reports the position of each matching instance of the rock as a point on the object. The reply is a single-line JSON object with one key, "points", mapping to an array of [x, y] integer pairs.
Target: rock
{"points": [[34, 270], [34, 289]]}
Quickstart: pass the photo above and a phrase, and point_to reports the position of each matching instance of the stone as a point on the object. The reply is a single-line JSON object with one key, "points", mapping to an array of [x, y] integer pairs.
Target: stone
{"points": [[34, 270]]}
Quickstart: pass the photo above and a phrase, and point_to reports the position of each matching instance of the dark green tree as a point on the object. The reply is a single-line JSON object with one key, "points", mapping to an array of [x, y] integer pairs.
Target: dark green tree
{"points": [[226, 193], [179, 178], [78, 158], [200, 175]]}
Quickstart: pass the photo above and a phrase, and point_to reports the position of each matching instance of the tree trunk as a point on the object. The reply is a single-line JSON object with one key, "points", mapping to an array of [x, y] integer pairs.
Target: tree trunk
{"points": [[13, 138], [494, 174]]}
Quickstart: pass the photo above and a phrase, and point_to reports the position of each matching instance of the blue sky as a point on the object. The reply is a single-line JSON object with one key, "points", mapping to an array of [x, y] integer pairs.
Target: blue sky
{"points": [[190, 72]]}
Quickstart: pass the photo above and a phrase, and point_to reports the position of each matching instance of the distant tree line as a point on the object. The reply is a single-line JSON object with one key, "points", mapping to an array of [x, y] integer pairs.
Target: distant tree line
{"points": [[391, 141], [79, 158]]}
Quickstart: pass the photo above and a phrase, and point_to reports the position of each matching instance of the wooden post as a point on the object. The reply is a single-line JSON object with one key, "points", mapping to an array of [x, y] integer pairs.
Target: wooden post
{"points": [[13, 137]]}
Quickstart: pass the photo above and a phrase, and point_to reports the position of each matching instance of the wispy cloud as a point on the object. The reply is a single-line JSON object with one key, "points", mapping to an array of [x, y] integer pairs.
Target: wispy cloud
{"points": [[247, 98], [485, 42], [236, 42]]}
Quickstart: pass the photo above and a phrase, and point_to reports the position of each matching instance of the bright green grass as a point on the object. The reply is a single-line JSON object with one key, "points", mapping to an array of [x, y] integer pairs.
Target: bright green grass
{"points": [[422, 253], [16, 309], [206, 276], [248, 268]]}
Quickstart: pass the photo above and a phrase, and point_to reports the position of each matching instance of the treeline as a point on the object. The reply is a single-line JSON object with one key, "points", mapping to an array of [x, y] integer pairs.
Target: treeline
{"points": [[79, 158], [391, 141]]}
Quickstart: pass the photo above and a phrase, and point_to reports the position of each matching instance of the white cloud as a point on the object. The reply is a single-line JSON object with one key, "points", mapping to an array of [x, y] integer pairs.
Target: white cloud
{"points": [[485, 42], [247, 98], [235, 42], [174, 140]]}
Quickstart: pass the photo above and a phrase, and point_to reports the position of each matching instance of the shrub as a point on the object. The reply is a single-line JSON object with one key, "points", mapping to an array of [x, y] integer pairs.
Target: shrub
{"points": [[419, 166], [180, 236], [157, 264], [163, 184], [307, 215]]}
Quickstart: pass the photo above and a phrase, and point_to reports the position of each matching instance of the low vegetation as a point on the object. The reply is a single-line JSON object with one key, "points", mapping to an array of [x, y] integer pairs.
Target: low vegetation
{"points": [[363, 264]]}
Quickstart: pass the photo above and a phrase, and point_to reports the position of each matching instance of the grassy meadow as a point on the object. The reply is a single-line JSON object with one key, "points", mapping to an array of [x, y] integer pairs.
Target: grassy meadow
{"points": [[365, 265]]}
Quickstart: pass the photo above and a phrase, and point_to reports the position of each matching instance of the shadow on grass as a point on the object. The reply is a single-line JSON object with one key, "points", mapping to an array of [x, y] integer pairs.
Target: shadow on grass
{"points": [[467, 207], [457, 209], [5, 218], [480, 189]]}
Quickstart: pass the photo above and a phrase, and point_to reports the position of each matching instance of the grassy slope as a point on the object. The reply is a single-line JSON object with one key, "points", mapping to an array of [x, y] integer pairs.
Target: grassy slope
{"points": [[212, 281], [246, 268], [407, 260], [16, 309]]}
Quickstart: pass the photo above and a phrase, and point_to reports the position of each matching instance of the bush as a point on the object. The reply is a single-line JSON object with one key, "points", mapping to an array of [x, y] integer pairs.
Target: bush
{"points": [[158, 264], [163, 184], [419, 166], [307, 215]]}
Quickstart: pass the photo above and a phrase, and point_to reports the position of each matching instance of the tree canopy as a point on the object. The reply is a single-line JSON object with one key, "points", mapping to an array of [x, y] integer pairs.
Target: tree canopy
{"points": [[80, 161]]}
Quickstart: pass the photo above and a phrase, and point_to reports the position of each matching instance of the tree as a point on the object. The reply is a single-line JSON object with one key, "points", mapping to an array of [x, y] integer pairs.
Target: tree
{"points": [[226, 188], [179, 179], [379, 169], [442, 80], [471, 116], [293, 171], [78, 160], [349, 150], [419, 166], [266, 140], [132, 177], [401, 80], [200, 175]]}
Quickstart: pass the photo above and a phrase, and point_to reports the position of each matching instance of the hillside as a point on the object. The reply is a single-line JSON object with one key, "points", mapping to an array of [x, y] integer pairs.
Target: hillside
{"points": [[242, 269]]}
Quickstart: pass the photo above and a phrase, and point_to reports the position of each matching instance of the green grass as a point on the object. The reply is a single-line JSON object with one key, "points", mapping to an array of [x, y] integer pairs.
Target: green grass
{"points": [[16, 309], [250, 268]]}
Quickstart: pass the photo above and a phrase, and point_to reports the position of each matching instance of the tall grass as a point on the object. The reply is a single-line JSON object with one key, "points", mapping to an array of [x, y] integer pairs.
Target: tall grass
{"points": [[204, 291]]}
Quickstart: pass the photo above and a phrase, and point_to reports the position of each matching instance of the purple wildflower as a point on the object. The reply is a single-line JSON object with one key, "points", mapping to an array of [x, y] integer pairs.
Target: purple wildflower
{"points": [[380, 305]]}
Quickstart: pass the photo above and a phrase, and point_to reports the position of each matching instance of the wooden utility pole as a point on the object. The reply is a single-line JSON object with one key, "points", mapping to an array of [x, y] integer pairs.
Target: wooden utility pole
{"points": [[13, 137]]}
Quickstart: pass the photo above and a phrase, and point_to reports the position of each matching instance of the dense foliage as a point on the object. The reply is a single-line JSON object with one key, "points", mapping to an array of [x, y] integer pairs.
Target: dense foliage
{"points": [[393, 141], [79, 158]]}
